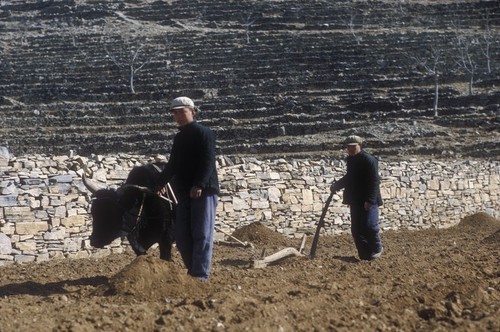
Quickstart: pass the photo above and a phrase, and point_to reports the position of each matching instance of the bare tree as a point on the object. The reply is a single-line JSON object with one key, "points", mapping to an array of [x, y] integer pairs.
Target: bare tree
{"points": [[250, 12], [130, 57], [401, 5], [464, 57], [169, 43], [72, 29], [486, 41], [171, 70], [351, 25], [247, 21], [431, 63]]}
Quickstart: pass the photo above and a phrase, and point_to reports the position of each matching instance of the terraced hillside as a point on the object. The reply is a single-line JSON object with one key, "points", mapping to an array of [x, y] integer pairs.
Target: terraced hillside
{"points": [[271, 77]]}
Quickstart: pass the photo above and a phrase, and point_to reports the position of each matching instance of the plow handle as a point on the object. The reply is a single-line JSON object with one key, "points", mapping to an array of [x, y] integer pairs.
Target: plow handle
{"points": [[321, 223]]}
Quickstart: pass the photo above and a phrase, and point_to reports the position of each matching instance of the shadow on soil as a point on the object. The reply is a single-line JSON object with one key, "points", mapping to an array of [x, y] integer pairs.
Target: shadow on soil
{"points": [[38, 289]]}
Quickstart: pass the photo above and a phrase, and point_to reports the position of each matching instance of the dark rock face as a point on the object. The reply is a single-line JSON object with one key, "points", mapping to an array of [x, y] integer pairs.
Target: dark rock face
{"points": [[276, 78]]}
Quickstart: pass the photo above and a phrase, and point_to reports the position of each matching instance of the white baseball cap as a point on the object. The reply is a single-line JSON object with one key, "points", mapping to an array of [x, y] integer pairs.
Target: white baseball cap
{"points": [[181, 102]]}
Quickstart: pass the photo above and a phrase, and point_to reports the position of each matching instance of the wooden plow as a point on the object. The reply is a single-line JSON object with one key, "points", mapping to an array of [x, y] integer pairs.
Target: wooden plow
{"points": [[287, 252]]}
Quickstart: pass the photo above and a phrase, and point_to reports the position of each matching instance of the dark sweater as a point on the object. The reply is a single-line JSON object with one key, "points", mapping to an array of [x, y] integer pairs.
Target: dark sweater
{"points": [[192, 160], [361, 181]]}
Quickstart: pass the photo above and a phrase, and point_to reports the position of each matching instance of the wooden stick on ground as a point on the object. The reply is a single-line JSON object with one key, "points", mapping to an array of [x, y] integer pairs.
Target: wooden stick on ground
{"points": [[261, 263]]}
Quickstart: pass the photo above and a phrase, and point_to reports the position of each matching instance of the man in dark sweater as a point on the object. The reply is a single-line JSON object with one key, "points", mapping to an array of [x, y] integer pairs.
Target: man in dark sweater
{"points": [[191, 171], [362, 194]]}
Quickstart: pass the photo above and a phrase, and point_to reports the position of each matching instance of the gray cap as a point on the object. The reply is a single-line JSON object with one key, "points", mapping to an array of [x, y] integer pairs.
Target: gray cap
{"points": [[353, 140], [181, 102]]}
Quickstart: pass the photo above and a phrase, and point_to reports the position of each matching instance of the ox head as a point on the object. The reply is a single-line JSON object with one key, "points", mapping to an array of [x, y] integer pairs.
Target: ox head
{"points": [[116, 213], [107, 215]]}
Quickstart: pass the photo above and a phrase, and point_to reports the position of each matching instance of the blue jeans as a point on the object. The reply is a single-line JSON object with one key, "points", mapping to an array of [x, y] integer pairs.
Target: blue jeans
{"points": [[365, 230], [194, 232]]}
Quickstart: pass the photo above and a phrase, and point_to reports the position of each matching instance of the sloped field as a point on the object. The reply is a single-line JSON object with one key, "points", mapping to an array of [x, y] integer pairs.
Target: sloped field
{"points": [[275, 77]]}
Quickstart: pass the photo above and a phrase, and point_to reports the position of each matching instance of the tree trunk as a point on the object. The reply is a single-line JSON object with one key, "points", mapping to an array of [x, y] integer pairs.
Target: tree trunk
{"points": [[132, 79], [471, 81], [436, 93]]}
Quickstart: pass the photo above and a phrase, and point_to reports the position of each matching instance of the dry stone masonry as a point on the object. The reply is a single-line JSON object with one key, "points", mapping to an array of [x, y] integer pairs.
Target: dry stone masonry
{"points": [[44, 206]]}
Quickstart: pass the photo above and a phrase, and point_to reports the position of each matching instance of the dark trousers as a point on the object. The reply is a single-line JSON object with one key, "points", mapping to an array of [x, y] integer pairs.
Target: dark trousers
{"points": [[365, 230], [194, 233]]}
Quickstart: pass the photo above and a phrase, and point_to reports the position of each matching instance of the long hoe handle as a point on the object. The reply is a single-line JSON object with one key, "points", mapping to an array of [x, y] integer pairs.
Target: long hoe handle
{"points": [[321, 223]]}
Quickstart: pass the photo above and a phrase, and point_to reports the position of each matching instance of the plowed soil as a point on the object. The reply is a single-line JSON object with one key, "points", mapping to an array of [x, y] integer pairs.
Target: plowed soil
{"points": [[435, 279]]}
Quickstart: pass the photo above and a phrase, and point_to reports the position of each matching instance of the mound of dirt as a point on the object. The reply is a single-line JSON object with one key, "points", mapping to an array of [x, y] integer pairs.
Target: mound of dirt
{"points": [[258, 233], [480, 221], [148, 277], [493, 238]]}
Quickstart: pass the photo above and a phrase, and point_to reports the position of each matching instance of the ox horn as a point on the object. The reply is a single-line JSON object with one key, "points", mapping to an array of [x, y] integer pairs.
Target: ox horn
{"points": [[91, 186]]}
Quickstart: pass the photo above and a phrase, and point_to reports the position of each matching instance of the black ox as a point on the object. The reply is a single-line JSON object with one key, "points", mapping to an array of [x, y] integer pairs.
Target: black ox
{"points": [[133, 210]]}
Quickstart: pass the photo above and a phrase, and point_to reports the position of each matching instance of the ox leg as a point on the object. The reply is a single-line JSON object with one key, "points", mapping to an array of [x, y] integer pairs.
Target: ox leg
{"points": [[166, 246], [134, 234], [167, 234], [132, 239]]}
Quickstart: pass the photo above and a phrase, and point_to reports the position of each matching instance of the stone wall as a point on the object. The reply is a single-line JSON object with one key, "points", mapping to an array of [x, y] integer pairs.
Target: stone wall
{"points": [[44, 206]]}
